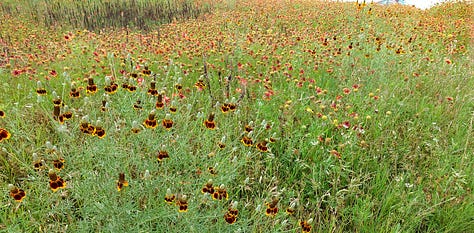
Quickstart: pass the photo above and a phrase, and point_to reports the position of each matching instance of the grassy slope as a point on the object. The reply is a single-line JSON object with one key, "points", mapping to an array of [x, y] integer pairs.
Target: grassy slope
{"points": [[407, 171]]}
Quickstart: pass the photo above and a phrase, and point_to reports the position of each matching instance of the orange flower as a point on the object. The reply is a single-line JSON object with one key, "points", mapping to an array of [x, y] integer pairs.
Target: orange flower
{"points": [[262, 146], [131, 88], [335, 153], [306, 226], [290, 210], [152, 90], [37, 162], [220, 193], [169, 197], [111, 89], [121, 182], [231, 215], [159, 102], [138, 105], [87, 128], [55, 182], [162, 154], [182, 203], [74, 93], [135, 127], [178, 87], [246, 141], [212, 170], [221, 145], [4, 134], [17, 193], [146, 71], [272, 208], [167, 123], [200, 84], [208, 188], [58, 102], [150, 122], [91, 87], [173, 109], [67, 115], [248, 128], [209, 123], [99, 132], [41, 91], [58, 164], [232, 106], [225, 108]]}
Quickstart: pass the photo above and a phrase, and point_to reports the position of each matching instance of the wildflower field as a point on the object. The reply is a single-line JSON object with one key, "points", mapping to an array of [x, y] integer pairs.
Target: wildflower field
{"points": [[235, 116]]}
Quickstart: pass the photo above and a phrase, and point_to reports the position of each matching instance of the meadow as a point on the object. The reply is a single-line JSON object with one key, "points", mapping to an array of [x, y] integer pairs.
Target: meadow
{"points": [[236, 116]]}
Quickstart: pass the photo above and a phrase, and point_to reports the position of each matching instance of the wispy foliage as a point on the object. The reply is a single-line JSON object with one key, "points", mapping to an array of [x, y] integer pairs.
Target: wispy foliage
{"points": [[265, 116], [101, 14]]}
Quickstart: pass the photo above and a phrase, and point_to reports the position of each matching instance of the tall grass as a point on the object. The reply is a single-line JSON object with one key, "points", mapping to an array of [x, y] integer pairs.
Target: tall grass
{"points": [[368, 118], [99, 14]]}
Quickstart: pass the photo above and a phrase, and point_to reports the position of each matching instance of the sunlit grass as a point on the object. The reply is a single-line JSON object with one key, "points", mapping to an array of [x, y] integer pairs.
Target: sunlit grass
{"points": [[302, 116]]}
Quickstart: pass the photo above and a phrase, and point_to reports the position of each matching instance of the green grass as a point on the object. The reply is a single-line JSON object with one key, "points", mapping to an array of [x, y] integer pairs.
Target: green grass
{"points": [[367, 139], [100, 14]]}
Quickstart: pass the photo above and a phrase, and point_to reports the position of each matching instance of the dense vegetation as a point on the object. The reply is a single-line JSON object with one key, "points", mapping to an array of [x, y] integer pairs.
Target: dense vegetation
{"points": [[105, 14], [258, 116]]}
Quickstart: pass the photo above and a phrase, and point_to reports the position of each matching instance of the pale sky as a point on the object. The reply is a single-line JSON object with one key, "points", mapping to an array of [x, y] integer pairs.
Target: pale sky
{"points": [[422, 4]]}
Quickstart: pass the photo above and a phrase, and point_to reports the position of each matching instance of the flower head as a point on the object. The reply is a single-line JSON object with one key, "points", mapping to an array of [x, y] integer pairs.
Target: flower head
{"points": [[162, 154], [17, 193], [231, 215], [4, 134], [306, 226], [169, 197], [59, 163], [121, 182], [209, 123], [167, 122], [208, 188], [55, 182], [182, 203], [247, 141], [220, 193], [272, 208]]}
